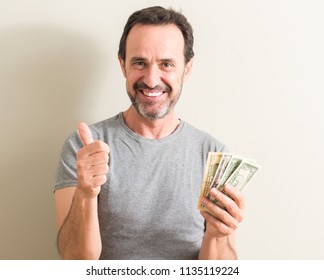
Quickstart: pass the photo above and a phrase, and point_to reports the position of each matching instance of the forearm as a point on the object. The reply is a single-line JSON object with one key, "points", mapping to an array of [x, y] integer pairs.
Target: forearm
{"points": [[79, 236], [217, 248]]}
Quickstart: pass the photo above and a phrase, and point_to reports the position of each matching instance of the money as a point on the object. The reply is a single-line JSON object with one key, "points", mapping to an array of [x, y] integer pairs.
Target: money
{"points": [[212, 165], [226, 168]]}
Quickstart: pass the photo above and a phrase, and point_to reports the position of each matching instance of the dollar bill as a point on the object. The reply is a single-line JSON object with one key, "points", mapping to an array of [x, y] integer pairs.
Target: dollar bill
{"points": [[211, 167], [221, 169], [242, 175], [229, 169]]}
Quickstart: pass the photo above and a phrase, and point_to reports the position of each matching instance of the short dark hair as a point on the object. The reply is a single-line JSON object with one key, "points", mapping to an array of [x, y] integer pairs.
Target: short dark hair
{"points": [[159, 16]]}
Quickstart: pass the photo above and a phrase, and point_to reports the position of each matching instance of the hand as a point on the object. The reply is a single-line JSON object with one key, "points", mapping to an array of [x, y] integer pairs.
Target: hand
{"points": [[223, 222], [92, 163]]}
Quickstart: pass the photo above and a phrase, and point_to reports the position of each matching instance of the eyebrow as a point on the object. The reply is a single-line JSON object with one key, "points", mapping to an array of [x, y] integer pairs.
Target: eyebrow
{"points": [[139, 58], [170, 60]]}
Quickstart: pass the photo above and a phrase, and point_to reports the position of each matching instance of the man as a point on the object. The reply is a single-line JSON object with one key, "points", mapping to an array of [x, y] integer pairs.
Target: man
{"points": [[128, 187]]}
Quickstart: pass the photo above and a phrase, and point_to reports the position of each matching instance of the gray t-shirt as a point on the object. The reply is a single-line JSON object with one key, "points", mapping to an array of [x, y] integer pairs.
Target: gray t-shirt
{"points": [[148, 206]]}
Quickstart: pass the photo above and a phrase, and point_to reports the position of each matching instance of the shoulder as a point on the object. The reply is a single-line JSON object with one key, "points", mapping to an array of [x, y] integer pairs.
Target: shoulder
{"points": [[99, 131], [204, 138], [103, 125], [102, 129]]}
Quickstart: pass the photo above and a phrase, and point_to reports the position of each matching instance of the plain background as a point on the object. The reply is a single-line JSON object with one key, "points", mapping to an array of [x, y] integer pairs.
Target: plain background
{"points": [[256, 85]]}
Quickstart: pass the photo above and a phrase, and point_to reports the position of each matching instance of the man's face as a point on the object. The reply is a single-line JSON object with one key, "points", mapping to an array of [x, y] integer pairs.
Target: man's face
{"points": [[154, 68]]}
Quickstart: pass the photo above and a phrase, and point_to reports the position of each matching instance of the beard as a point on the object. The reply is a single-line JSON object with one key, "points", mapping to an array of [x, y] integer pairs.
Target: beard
{"points": [[162, 109]]}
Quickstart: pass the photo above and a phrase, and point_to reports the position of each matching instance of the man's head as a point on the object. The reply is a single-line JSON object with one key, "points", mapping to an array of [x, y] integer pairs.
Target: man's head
{"points": [[155, 55], [159, 16]]}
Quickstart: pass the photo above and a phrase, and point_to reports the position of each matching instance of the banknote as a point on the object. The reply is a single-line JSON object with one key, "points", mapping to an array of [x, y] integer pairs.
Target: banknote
{"points": [[226, 168], [242, 175], [222, 167], [213, 160]]}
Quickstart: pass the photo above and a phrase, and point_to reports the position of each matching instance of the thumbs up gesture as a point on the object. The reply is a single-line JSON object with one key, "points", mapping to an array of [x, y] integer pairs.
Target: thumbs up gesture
{"points": [[92, 163]]}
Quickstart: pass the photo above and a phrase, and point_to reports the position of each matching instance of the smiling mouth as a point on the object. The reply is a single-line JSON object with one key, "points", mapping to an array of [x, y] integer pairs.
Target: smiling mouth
{"points": [[155, 92], [152, 93]]}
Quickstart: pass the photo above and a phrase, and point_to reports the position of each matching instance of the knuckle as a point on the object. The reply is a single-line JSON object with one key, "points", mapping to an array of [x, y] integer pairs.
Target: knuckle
{"points": [[241, 201], [213, 208], [102, 145], [84, 181], [221, 216], [228, 231], [240, 216], [80, 165], [79, 156], [230, 207], [234, 225], [100, 180]]}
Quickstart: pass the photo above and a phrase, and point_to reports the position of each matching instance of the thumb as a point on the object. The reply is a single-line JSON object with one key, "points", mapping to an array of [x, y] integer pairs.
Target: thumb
{"points": [[85, 133]]}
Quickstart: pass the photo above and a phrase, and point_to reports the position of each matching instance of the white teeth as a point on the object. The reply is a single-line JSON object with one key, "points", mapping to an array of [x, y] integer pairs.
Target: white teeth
{"points": [[150, 94]]}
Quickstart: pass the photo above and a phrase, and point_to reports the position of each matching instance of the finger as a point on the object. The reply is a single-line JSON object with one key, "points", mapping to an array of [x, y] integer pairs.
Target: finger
{"points": [[97, 170], [85, 134], [93, 149], [220, 214], [99, 180], [228, 203], [96, 175], [98, 158], [221, 228], [236, 195]]}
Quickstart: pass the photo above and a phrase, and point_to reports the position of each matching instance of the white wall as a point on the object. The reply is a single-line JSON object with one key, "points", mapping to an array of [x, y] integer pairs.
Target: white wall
{"points": [[256, 85]]}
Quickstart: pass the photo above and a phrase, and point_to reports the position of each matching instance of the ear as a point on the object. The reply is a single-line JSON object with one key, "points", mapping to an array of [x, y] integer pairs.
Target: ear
{"points": [[122, 65], [188, 69]]}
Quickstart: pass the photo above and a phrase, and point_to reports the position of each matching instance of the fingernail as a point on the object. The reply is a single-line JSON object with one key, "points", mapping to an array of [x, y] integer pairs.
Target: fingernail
{"points": [[214, 191], [227, 187]]}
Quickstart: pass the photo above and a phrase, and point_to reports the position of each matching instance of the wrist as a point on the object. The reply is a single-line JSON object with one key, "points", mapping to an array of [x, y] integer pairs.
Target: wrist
{"points": [[219, 239], [84, 197], [88, 192]]}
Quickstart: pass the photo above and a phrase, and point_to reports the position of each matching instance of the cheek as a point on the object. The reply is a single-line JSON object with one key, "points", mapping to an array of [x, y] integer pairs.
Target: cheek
{"points": [[130, 80], [173, 79], [133, 76]]}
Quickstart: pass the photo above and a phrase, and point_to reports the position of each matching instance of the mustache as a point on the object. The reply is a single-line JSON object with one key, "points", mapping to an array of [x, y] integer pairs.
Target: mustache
{"points": [[160, 87]]}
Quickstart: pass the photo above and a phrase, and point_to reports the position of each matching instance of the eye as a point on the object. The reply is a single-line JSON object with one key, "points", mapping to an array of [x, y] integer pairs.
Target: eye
{"points": [[167, 65], [139, 64]]}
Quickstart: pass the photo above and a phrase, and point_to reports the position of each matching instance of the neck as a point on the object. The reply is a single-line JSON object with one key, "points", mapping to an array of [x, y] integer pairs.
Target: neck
{"points": [[151, 129]]}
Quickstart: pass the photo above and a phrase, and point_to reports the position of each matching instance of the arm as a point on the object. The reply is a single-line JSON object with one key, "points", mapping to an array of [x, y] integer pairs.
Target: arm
{"points": [[217, 248], [77, 221], [76, 207], [218, 240]]}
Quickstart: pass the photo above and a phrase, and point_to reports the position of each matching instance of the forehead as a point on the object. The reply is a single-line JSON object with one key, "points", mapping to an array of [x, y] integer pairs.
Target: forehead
{"points": [[163, 41]]}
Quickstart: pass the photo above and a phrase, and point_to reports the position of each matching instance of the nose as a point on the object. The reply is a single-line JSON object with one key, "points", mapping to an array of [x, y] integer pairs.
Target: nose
{"points": [[152, 76]]}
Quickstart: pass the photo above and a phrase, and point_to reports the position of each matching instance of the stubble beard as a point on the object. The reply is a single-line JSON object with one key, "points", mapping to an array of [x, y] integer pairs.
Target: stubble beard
{"points": [[163, 109]]}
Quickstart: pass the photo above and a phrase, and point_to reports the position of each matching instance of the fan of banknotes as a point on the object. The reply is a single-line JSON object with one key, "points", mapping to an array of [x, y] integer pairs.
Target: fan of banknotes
{"points": [[226, 168]]}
